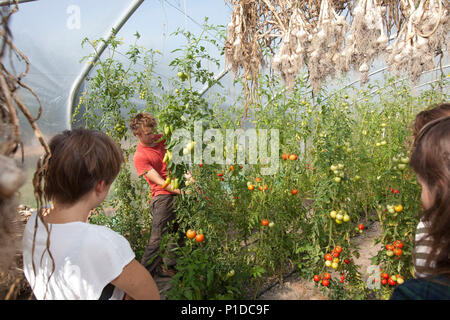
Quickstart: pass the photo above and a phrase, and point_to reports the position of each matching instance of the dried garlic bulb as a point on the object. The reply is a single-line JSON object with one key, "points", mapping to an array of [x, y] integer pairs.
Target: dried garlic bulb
{"points": [[367, 38], [291, 56], [421, 38], [326, 45]]}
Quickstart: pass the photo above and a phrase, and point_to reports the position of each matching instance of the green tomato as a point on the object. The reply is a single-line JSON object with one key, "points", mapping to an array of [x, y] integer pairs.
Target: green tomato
{"points": [[389, 253], [346, 218], [337, 179], [333, 214]]}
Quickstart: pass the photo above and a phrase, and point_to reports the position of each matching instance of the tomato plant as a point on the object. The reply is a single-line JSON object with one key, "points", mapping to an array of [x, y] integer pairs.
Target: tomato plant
{"points": [[342, 166]]}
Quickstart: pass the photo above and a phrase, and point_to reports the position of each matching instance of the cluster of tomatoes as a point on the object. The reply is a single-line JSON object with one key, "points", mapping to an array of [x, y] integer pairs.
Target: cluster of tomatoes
{"points": [[394, 191], [332, 259], [338, 173], [289, 156], [266, 223], [339, 216], [394, 208], [401, 162], [230, 169], [325, 279], [394, 249], [261, 187], [191, 234], [391, 280]]}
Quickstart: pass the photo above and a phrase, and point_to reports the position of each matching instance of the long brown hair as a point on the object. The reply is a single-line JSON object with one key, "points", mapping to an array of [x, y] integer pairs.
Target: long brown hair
{"points": [[78, 159], [430, 159]]}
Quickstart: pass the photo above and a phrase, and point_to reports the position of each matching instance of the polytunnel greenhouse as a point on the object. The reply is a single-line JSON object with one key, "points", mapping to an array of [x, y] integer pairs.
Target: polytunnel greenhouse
{"points": [[224, 150]]}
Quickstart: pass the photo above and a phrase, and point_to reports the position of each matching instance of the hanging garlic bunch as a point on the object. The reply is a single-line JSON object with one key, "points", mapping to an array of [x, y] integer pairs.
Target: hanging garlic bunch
{"points": [[367, 38], [291, 56], [242, 50], [423, 35], [326, 44]]}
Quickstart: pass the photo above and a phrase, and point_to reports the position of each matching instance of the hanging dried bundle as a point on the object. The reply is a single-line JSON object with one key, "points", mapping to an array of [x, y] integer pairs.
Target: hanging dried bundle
{"points": [[315, 34], [327, 41], [11, 176], [420, 40], [367, 38], [292, 55]]}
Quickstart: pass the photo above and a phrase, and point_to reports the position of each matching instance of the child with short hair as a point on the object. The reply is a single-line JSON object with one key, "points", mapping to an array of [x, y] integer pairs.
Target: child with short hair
{"points": [[65, 257]]}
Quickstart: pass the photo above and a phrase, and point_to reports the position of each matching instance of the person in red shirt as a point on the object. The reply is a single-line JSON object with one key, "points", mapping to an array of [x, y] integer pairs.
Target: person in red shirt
{"points": [[148, 161]]}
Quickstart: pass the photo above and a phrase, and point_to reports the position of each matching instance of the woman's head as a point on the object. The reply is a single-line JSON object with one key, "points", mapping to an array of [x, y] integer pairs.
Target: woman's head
{"points": [[426, 116], [430, 160], [80, 159]]}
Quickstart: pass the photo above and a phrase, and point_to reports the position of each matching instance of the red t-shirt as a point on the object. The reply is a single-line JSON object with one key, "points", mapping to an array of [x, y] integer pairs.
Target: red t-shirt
{"points": [[147, 158]]}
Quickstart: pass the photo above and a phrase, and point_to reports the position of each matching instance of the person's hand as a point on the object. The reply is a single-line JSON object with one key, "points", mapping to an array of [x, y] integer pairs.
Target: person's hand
{"points": [[188, 176]]}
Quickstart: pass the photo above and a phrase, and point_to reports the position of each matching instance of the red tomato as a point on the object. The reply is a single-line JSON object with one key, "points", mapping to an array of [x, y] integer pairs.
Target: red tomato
{"points": [[346, 261], [391, 282], [294, 191], [338, 249], [398, 252], [292, 157], [251, 187], [200, 237], [398, 244], [360, 227], [328, 257], [335, 254], [384, 275], [316, 278], [220, 174], [384, 282], [257, 179], [325, 283], [284, 156], [265, 222], [390, 246], [327, 276], [200, 165]]}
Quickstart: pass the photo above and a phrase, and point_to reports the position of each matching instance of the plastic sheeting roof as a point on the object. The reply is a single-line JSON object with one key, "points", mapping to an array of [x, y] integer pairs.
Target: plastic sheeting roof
{"points": [[50, 32]]}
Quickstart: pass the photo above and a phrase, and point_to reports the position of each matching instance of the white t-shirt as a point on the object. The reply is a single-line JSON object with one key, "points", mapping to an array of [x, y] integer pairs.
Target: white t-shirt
{"points": [[87, 257]]}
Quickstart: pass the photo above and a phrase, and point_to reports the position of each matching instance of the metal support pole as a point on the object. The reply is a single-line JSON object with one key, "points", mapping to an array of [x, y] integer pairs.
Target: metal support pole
{"points": [[87, 67], [13, 2]]}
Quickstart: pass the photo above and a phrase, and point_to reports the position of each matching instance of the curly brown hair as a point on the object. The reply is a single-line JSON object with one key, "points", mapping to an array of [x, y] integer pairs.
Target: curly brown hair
{"points": [[143, 121]]}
